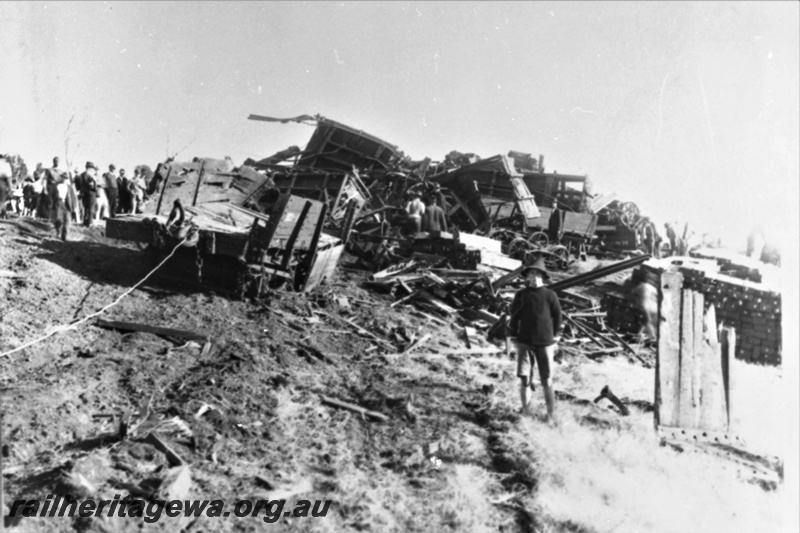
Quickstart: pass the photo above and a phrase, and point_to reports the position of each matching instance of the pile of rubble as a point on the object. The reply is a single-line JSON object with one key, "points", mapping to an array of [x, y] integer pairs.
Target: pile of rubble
{"points": [[287, 219]]}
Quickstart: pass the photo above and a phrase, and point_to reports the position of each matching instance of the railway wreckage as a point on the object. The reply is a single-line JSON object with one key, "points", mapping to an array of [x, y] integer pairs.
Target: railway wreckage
{"points": [[285, 220]]}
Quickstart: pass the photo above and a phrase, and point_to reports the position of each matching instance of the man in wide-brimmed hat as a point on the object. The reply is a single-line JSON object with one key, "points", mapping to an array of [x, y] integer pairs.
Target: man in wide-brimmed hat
{"points": [[535, 326]]}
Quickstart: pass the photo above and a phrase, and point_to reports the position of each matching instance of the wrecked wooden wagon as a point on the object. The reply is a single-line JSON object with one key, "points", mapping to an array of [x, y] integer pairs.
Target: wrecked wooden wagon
{"points": [[230, 230]]}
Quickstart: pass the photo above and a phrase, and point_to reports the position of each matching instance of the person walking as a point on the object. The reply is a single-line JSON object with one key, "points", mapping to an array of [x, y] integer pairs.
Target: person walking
{"points": [[534, 328]]}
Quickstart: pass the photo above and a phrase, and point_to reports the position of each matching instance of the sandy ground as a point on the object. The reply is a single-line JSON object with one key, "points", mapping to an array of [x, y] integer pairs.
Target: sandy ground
{"points": [[454, 454]]}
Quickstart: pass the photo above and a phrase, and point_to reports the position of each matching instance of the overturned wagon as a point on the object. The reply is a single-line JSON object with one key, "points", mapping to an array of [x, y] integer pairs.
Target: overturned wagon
{"points": [[229, 230]]}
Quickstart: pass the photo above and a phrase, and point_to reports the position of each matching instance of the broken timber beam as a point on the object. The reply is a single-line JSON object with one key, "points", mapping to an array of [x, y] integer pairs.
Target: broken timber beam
{"points": [[507, 278], [417, 344], [359, 329], [349, 406], [622, 341], [173, 458], [287, 253], [483, 351], [473, 313], [156, 330], [597, 274], [596, 338]]}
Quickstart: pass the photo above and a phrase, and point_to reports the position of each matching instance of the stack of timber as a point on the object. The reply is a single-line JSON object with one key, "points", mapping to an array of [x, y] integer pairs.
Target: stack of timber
{"points": [[752, 309], [733, 265], [621, 314]]}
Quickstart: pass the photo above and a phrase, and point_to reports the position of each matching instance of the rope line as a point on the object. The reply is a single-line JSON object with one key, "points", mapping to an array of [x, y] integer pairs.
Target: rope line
{"points": [[75, 324]]}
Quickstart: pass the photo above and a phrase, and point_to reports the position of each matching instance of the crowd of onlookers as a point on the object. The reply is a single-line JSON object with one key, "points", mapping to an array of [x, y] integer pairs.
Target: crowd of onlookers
{"points": [[62, 196]]}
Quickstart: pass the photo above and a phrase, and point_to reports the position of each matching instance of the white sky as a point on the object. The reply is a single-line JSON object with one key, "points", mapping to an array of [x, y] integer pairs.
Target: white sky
{"points": [[689, 109]]}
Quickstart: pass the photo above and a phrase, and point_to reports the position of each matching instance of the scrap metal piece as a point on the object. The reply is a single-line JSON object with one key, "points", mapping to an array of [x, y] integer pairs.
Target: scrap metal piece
{"points": [[608, 395]]}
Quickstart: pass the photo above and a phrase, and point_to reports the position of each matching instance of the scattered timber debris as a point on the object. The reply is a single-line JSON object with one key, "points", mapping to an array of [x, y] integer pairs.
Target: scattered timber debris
{"points": [[285, 221], [156, 330]]}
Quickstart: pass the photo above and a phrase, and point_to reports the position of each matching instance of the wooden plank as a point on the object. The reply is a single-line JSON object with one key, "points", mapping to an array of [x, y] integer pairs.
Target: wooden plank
{"points": [[613, 334], [172, 457], [128, 228], [358, 328], [713, 415], [472, 313], [437, 302], [286, 216], [406, 298], [349, 406], [596, 338], [604, 351], [728, 349], [507, 278], [395, 270], [471, 335], [482, 351], [156, 330], [311, 255], [199, 182], [500, 261], [698, 368], [289, 248], [163, 188], [687, 403], [425, 338], [524, 198], [480, 243], [668, 350]]}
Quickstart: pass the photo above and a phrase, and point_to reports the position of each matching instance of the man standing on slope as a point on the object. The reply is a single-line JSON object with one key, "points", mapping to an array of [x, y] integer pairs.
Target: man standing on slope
{"points": [[534, 328], [433, 218], [415, 209]]}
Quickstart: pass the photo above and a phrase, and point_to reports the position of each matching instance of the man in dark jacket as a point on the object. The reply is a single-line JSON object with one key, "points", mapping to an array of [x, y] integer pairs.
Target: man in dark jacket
{"points": [[433, 218], [123, 188], [535, 326], [555, 225]]}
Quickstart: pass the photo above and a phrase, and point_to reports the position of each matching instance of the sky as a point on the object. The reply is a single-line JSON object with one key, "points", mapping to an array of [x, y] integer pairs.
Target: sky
{"points": [[688, 109]]}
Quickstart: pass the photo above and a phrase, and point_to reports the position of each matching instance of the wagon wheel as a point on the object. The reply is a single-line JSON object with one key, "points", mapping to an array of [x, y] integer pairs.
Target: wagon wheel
{"points": [[539, 239], [502, 235], [518, 248], [629, 213], [557, 257]]}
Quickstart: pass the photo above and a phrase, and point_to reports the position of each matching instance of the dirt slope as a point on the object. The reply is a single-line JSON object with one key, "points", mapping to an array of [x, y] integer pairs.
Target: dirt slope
{"points": [[454, 454]]}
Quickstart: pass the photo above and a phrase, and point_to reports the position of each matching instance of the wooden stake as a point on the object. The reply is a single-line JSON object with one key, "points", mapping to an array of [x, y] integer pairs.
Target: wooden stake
{"points": [[349, 406], [417, 344]]}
